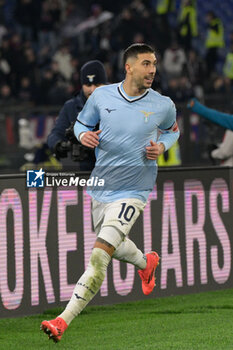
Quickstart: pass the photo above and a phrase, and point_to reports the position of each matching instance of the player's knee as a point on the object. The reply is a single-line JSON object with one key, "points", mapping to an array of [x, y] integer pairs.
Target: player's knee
{"points": [[111, 235]]}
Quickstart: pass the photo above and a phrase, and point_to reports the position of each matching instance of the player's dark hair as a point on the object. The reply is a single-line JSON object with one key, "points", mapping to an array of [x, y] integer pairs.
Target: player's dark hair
{"points": [[135, 49]]}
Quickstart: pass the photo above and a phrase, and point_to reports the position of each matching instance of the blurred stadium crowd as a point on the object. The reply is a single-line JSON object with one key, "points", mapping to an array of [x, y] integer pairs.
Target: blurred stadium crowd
{"points": [[44, 43]]}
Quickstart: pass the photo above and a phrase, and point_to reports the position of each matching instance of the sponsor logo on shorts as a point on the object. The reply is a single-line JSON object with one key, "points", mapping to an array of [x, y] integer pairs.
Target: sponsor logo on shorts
{"points": [[122, 223]]}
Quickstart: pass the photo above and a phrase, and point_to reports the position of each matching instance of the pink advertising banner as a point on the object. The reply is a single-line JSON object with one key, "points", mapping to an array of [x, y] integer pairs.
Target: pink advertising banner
{"points": [[46, 238]]}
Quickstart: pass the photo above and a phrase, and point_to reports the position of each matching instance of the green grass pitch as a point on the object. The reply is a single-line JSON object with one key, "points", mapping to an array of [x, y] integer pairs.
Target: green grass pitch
{"points": [[198, 321]]}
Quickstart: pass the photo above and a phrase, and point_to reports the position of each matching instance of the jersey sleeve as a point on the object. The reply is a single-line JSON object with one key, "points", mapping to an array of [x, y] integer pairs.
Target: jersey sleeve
{"points": [[169, 131], [170, 118], [88, 117]]}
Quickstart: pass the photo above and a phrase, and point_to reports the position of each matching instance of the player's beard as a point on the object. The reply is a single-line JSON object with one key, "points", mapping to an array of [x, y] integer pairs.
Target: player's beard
{"points": [[144, 84]]}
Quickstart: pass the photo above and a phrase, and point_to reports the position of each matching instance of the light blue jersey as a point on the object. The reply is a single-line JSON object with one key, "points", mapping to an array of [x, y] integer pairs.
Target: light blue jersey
{"points": [[128, 124]]}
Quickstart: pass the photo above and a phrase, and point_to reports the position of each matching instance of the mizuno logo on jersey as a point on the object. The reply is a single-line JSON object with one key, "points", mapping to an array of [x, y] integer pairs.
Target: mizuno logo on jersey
{"points": [[146, 115], [109, 110]]}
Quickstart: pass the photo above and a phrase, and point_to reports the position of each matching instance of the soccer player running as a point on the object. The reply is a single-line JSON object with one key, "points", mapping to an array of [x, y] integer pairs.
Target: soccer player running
{"points": [[129, 114]]}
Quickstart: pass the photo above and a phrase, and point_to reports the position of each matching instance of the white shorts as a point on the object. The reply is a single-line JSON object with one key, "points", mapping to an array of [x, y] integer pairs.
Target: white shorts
{"points": [[120, 214]]}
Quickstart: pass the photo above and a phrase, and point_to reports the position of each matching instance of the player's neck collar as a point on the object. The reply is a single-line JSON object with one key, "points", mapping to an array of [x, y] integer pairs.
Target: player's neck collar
{"points": [[127, 97]]}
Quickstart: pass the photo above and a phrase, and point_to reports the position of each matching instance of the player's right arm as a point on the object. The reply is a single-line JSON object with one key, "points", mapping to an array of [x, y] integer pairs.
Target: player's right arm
{"points": [[86, 122], [90, 138]]}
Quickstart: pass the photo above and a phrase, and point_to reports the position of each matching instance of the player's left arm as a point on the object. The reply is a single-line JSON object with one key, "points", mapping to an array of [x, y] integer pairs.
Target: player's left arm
{"points": [[154, 150], [169, 134], [169, 130]]}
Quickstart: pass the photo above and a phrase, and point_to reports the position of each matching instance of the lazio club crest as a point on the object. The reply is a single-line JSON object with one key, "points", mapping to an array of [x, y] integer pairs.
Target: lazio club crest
{"points": [[146, 115]]}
